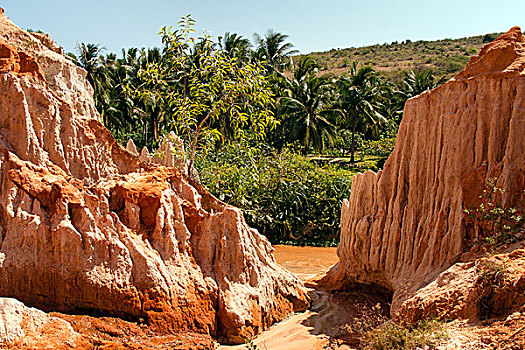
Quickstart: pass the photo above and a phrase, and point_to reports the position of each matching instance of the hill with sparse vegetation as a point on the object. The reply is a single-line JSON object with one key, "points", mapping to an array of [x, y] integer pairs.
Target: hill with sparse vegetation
{"points": [[445, 57]]}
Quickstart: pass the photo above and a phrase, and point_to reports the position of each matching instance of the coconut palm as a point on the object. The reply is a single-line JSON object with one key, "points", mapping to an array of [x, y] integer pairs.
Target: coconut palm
{"points": [[235, 45], [89, 58], [305, 106], [358, 101], [274, 50], [418, 82], [118, 112]]}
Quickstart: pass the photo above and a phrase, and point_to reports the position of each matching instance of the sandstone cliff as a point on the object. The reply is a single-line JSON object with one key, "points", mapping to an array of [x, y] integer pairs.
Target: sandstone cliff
{"points": [[405, 225], [86, 226]]}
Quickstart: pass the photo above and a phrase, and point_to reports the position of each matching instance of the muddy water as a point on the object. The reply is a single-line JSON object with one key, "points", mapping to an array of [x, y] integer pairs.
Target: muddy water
{"points": [[305, 262], [325, 321]]}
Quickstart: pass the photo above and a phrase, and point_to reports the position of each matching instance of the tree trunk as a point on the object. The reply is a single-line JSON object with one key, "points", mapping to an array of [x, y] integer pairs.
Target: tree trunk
{"points": [[145, 132], [352, 159], [154, 123]]}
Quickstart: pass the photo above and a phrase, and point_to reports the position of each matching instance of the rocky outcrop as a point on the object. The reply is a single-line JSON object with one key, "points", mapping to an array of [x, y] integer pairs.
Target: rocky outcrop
{"points": [[34, 326], [86, 226], [46, 40], [489, 287], [24, 328], [170, 153], [405, 225]]}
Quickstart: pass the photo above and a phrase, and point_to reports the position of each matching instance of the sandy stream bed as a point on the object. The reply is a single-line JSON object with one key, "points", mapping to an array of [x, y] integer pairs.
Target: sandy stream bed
{"points": [[315, 328]]}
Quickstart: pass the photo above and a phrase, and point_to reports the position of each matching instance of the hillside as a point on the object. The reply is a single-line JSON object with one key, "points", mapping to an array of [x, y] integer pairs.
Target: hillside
{"points": [[446, 56]]}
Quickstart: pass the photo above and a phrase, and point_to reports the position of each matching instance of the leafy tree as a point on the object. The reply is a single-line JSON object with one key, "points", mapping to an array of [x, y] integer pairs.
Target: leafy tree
{"points": [[201, 84], [89, 58], [235, 45], [126, 115], [358, 101], [287, 197], [418, 82]]}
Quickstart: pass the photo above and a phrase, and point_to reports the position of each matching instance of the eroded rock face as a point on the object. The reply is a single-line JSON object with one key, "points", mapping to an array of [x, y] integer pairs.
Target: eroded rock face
{"points": [[86, 225], [25, 328], [405, 225], [489, 287]]}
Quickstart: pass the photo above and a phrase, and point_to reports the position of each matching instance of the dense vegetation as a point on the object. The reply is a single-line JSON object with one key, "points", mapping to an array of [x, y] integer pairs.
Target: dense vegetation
{"points": [[286, 196], [266, 130]]}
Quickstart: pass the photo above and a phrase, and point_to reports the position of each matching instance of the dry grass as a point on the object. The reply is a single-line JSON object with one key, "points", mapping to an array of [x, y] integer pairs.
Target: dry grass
{"points": [[446, 57]]}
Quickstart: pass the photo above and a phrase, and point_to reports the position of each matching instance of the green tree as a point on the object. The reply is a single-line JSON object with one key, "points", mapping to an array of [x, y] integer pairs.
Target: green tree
{"points": [[201, 84], [417, 82], [358, 101], [274, 50], [235, 45], [306, 105], [89, 58]]}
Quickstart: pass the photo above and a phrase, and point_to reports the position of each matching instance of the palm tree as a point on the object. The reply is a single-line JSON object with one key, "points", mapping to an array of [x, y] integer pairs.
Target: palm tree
{"points": [[89, 58], [420, 81], [306, 106], [357, 103], [235, 45], [118, 113], [274, 50]]}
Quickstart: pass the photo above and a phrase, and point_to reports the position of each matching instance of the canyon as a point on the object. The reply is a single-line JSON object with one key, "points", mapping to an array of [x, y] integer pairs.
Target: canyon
{"points": [[102, 245]]}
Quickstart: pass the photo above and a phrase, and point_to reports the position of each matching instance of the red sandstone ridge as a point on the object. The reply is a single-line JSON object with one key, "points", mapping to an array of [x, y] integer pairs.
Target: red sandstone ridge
{"points": [[405, 225], [86, 226]]}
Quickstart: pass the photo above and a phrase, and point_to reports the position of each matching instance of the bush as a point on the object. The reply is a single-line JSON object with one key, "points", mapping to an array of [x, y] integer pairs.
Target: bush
{"points": [[489, 38], [285, 196], [382, 147], [423, 335], [492, 277], [492, 219]]}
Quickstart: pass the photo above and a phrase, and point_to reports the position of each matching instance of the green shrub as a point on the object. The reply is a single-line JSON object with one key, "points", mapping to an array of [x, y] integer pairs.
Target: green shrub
{"points": [[492, 277], [285, 196], [489, 38], [250, 345], [394, 336], [381, 147], [492, 219]]}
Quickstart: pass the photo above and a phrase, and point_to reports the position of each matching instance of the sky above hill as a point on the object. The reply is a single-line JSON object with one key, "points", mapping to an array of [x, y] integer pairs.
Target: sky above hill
{"points": [[311, 25]]}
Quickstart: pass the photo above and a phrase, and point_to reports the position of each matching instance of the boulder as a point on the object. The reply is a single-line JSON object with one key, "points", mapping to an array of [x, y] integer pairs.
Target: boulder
{"points": [[22, 327]]}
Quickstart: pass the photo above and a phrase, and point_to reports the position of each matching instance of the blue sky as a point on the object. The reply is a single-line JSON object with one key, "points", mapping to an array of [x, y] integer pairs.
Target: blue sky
{"points": [[311, 25]]}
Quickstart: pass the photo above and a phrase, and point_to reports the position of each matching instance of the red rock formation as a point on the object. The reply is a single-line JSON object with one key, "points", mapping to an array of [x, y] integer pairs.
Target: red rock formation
{"points": [[489, 287], [86, 225], [26, 328], [46, 40], [18, 62], [405, 225]]}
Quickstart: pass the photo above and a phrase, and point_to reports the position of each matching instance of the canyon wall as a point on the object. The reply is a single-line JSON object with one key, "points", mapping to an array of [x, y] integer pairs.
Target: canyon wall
{"points": [[404, 225], [88, 227]]}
